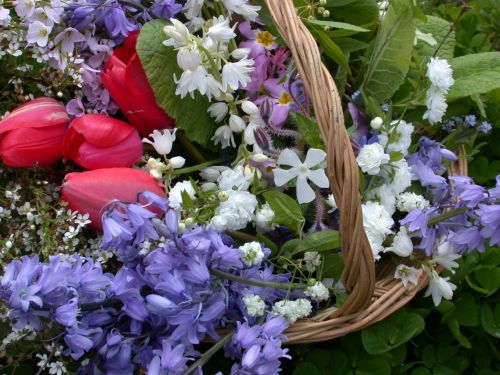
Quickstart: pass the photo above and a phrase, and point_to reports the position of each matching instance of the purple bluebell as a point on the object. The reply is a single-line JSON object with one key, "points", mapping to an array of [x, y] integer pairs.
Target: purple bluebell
{"points": [[468, 239], [489, 215], [165, 9]]}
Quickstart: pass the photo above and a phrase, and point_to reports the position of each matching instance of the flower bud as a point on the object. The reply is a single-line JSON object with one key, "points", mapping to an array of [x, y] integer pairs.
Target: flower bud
{"points": [[240, 53], [376, 123], [98, 141], [33, 133], [249, 107], [223, 196], [177, 162], [237, 124]]}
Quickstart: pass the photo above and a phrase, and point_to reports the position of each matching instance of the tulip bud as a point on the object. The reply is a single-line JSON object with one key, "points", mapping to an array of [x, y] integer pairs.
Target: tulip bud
{"points": [[90, 191], [98, 141], [33, 133]]}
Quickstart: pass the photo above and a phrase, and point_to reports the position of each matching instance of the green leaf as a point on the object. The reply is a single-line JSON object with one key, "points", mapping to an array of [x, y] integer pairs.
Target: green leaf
{"points": [[357, 12], [319, 241], [475, 74], [466, 311], [429, 356], [390, 58], [368, 365], [440, 30], [286, 209], [491, 321], [306, 368], [333, 265], [309, 131], [332, 50], [339, 25], [392, 332], [396, 155], [160, 64], [341, 364], [454, 327]]}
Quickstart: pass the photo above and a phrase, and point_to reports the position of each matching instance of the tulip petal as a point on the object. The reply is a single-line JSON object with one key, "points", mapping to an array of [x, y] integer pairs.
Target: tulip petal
{"points": [[25, 147], [102, 130], [90, 191], [124, 154], [37, 113]]}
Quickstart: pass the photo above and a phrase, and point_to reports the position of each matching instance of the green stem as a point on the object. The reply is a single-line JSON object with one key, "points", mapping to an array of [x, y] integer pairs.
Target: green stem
{"points": [[190, 148], [447, 215], [209, 353], [198, 167], [267, 284], [241, 236]]}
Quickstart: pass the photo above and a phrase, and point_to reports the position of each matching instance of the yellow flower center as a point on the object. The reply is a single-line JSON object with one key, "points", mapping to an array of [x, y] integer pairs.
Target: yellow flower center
{"points": [[265, 38], [285, 98]]}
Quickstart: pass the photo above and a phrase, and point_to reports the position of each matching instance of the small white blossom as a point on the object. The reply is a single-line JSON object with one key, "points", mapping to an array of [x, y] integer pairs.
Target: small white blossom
{"points": [[25, 8], [211, 174], [224, 136], [303, 172], [243, 8], [377, 223], [162, 140], [254, 304], [218, 111], [237, 124], [220, 30], [235, 213], [446, 256], [57, 368], [4, 16], [376, 123], [293, 310], [234, 179], [38, 33], [175, 194], [264, 217], [318, 292], [177, 162], [407, 202], [371, 158], [330, 200], [439, 288], [252, 253], [237, 74], [178, 33], [402, 244], [440, 74], [436, 105], [312, 260], [407, 274]]}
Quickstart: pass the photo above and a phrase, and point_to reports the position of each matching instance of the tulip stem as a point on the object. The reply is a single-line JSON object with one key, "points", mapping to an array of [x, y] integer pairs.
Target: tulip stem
{"points": [[190, 148], [198, 167]]}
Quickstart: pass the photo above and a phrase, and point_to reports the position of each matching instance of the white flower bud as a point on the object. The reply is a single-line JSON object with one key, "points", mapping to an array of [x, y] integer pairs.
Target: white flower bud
{"points": [[376, 123], [177, 162], [237, 124], [240, 53], [223, 196], [249, 107]]}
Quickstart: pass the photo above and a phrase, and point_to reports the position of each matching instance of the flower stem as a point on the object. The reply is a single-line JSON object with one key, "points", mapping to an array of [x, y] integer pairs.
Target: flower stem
{"points": [[447, 215], [267, 284], [198, 167], [190, 148], [209, 353]]}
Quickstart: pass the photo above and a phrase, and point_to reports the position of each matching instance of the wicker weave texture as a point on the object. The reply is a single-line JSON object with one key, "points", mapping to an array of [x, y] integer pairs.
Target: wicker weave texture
{"points": [[370, 300]]}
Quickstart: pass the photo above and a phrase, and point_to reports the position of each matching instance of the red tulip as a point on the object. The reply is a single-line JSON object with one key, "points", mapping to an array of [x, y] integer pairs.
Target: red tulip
{"points": [[90, 191], [100, 141], [129, 87], [33, 133]]}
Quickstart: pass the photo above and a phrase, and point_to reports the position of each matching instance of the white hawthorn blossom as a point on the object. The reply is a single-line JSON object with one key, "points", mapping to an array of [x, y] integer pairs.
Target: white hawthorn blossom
{"points": [[311, 169]]}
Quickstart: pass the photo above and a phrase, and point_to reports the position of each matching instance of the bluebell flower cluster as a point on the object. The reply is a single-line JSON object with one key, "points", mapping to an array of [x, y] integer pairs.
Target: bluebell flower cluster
{"points": [[153, 311], [474, 226], [117, 18], [469, 121]]}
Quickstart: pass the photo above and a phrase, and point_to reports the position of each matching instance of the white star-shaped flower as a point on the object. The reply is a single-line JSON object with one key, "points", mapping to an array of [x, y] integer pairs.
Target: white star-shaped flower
{"points": [[303, 172]]}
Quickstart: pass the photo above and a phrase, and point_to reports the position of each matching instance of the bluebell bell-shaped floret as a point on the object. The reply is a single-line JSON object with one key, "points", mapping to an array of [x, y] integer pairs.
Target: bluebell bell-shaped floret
{"points": [[468, 193], [490, 221], [468, 239], [80, 340], [170, 360], [117, 353], [127, 287], [103, 316], [67, 314], [87, 278]]}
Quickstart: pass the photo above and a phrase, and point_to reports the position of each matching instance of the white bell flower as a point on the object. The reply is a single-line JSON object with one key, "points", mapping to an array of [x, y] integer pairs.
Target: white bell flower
{"points": [[218, 111], [162, 140], [407, 274], [178, 33], [241, 7], [236, 74], [439, 288], [401, 245], [303, 172], [220, 30]]}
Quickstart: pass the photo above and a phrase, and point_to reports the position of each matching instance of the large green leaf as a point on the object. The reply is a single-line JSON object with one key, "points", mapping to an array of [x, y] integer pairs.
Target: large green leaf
{"points": [[475, 74], [390, 57], [440, 30], [286, 209], [392, 332], [160, 65]]}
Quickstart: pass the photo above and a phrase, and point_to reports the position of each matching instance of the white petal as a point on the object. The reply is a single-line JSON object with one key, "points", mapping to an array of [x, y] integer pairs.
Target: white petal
{"points": [[305, 193], [281, 176], [318, 176], [314, 157], [288, 157]]}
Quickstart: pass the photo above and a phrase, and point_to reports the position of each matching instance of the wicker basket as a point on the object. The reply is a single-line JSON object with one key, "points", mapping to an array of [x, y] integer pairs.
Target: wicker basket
{"points": [[373, 293]]}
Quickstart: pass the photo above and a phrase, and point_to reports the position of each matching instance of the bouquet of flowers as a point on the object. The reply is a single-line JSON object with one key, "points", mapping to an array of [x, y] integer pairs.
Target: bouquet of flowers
{"points": [[164, 182]]}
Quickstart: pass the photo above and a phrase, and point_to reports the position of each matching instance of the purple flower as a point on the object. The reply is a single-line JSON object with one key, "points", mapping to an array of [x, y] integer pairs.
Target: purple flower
{"points": [[23, 295], [79, 341], [468, 192], [67, 314], [165, 9], [489, 215], [468, 239]]}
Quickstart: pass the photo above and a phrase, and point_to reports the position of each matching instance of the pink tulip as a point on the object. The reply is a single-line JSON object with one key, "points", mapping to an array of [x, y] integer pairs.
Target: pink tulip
{"points": [[33, 133], [100, 141], [90, 191]]}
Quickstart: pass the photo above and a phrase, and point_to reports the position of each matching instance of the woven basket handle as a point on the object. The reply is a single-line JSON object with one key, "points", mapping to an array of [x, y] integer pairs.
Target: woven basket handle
{"points": [[342, 169]]}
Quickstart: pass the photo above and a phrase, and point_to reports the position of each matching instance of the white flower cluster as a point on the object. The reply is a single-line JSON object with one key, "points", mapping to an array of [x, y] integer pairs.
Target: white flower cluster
{"points": [[252, 254], [162, 142], [193, 10], [293, 310], [440, 74], [205, 61], [312, 260], [175, 194], [318, 292], [254, 304], [238, 206], [377, 223], [407, 202]]}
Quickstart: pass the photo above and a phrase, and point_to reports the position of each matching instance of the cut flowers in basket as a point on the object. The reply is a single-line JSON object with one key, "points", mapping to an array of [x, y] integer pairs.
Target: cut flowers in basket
{"points": [[164, 181]]}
